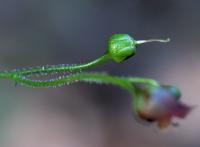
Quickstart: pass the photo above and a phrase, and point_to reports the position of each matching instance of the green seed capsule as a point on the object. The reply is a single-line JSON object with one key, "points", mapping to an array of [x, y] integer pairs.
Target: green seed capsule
{"points": [[121, 47]]}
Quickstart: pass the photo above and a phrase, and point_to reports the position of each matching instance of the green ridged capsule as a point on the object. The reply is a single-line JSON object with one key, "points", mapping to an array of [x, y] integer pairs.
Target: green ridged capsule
{"points": [[123, 46]]}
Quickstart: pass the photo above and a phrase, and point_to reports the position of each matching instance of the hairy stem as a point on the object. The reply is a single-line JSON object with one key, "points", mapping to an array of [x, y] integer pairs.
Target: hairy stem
{"points": [[57, 68], [123, 82], [143, 81], [77, 77]]}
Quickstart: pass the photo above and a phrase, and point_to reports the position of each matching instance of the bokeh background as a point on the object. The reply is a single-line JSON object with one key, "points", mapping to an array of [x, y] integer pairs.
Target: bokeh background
{"points": [[40, 32]]}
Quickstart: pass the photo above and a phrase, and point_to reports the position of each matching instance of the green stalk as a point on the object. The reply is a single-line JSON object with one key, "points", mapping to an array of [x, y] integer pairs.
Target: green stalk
{"points": [[57, 68]]}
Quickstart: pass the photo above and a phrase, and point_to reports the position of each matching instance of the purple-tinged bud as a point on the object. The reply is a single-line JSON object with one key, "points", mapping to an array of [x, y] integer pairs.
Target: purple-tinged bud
{"points": [[159, 104]]}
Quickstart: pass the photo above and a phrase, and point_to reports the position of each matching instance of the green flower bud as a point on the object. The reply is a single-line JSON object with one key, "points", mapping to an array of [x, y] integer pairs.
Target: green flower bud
{"points": [[121, 47]]}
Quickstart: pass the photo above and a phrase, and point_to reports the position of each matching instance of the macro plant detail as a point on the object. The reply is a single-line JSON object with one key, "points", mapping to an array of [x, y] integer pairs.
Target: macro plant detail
{"points": [[151, 102], [160, 104]]}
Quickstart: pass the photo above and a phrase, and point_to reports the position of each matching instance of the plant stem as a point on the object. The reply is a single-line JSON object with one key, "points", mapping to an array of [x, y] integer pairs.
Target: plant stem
{"points": [[57, 68], [143, 81], [123, 82]]}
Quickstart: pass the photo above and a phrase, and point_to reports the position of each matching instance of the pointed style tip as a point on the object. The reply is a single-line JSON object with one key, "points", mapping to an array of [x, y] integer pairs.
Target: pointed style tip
{"points": [[139, 42], [168, 40]]}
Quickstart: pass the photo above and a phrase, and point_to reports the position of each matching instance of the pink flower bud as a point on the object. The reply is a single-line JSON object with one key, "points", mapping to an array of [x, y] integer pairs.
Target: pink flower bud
{"points": [[159, 104]]}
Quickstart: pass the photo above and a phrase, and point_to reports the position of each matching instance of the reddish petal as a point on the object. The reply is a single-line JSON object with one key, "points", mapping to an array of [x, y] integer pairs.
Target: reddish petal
{"points": [[181, 110]]}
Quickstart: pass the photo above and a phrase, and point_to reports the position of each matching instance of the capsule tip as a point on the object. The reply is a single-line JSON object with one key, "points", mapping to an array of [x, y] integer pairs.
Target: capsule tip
{"points": [[167, 40], [153, 40]]}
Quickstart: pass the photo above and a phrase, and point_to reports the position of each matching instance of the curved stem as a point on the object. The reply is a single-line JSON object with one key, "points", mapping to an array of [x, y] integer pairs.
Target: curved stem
{"points": [[143, 81], [57, 68], [124, 82], [85, 77], [5, 74]]}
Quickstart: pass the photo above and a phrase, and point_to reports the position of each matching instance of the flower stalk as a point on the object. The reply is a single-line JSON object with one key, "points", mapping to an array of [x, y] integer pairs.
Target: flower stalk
{"points": [[151, 101]]}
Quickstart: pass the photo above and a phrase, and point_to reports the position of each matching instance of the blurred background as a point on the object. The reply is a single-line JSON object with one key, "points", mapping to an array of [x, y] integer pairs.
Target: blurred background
{"points": [[41, 32]]}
